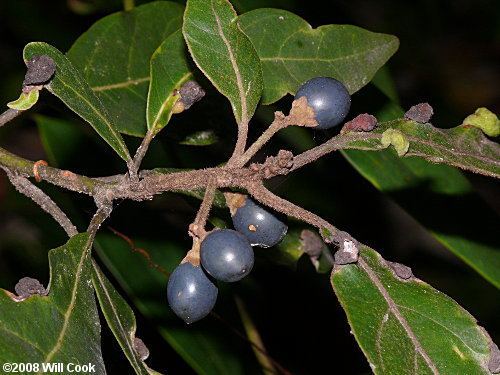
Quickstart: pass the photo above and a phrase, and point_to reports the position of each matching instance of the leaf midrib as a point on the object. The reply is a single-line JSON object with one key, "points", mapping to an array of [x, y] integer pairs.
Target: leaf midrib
{"points": [[122, 329], [239, 82], [71, 306]]}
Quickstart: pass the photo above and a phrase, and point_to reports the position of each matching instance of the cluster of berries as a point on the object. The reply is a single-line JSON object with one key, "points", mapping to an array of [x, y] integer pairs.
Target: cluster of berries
{"points": [[227, 254]]}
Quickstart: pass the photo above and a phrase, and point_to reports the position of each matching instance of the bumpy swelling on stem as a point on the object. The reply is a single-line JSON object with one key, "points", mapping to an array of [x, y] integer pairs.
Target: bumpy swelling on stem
{"points": [[329, 98], [259, 226], [190, 293], [226, 255]]}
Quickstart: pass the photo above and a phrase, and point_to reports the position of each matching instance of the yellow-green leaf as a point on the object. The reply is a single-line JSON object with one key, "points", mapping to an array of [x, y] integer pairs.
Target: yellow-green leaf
{"points": [[25, 101]]}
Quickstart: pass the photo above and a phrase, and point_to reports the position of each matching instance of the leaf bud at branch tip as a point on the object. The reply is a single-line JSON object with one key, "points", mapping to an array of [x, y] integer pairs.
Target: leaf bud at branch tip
{"points": [[27, 286], [421, 113], [361, 123], [485, 120], [40, 71], [189, 93], [348, 253]]}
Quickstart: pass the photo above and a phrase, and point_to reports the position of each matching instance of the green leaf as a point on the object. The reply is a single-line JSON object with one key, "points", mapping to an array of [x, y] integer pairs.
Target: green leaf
{"points": [[404, 326], [201, 138], [464, 147], [62, 326], [25, 100], [207, 346], [60, 138], [69, 85], [120, 318], [224, 54], [114, 57], [440, 198], [291, 51], [169, 71]]}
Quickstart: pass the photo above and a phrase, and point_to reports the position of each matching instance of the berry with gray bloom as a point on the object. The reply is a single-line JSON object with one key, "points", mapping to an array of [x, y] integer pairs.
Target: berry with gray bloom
{"points": [[226, 255], [329, 99], [261, 227], [190, 292]]}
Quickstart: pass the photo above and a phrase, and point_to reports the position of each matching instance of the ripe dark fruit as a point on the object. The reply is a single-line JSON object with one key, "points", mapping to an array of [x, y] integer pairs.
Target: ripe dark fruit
{"points": [[260, 226], [329, 98], [190, 292], [226, 255]]}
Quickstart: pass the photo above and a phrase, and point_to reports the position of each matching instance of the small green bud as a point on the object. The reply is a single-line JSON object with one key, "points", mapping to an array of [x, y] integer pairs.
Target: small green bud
{"points": [[25, 101], [485, 120], [397, 139]]}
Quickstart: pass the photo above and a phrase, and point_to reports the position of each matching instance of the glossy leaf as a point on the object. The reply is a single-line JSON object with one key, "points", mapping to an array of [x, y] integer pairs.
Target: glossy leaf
{"points": [[69, 85], [404, 326], [169, 71], [207, 346], [464, 147], [120, 319], [291, 51], [114, 57], [201, 138], [62, 326], [224, 54]]}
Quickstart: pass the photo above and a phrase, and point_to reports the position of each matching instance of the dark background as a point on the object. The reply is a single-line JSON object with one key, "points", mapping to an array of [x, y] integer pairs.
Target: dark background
{"points": [[449, 56]]}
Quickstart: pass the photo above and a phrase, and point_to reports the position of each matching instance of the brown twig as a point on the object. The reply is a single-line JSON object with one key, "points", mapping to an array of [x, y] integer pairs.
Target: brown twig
{"points": [[327, 231], [197, 228], [9, 115], [301, 114], [140, 153], [103, 211], [336, 143], [24, 186], [275, 126]]}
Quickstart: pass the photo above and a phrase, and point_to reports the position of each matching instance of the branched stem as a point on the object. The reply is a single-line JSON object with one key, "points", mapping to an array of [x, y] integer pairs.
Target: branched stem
{"points": [[241, 143], [102, 213], [328, 231], [198, 226], [261, 141], [232, 175], [339, 142], [9, 115], [24, 186], [140, 153]]}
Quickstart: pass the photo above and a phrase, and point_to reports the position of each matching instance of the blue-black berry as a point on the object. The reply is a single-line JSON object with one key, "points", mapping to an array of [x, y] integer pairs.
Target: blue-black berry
{"points": [[261, 227], [226, 255], [190, 292], [329, 98]]}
